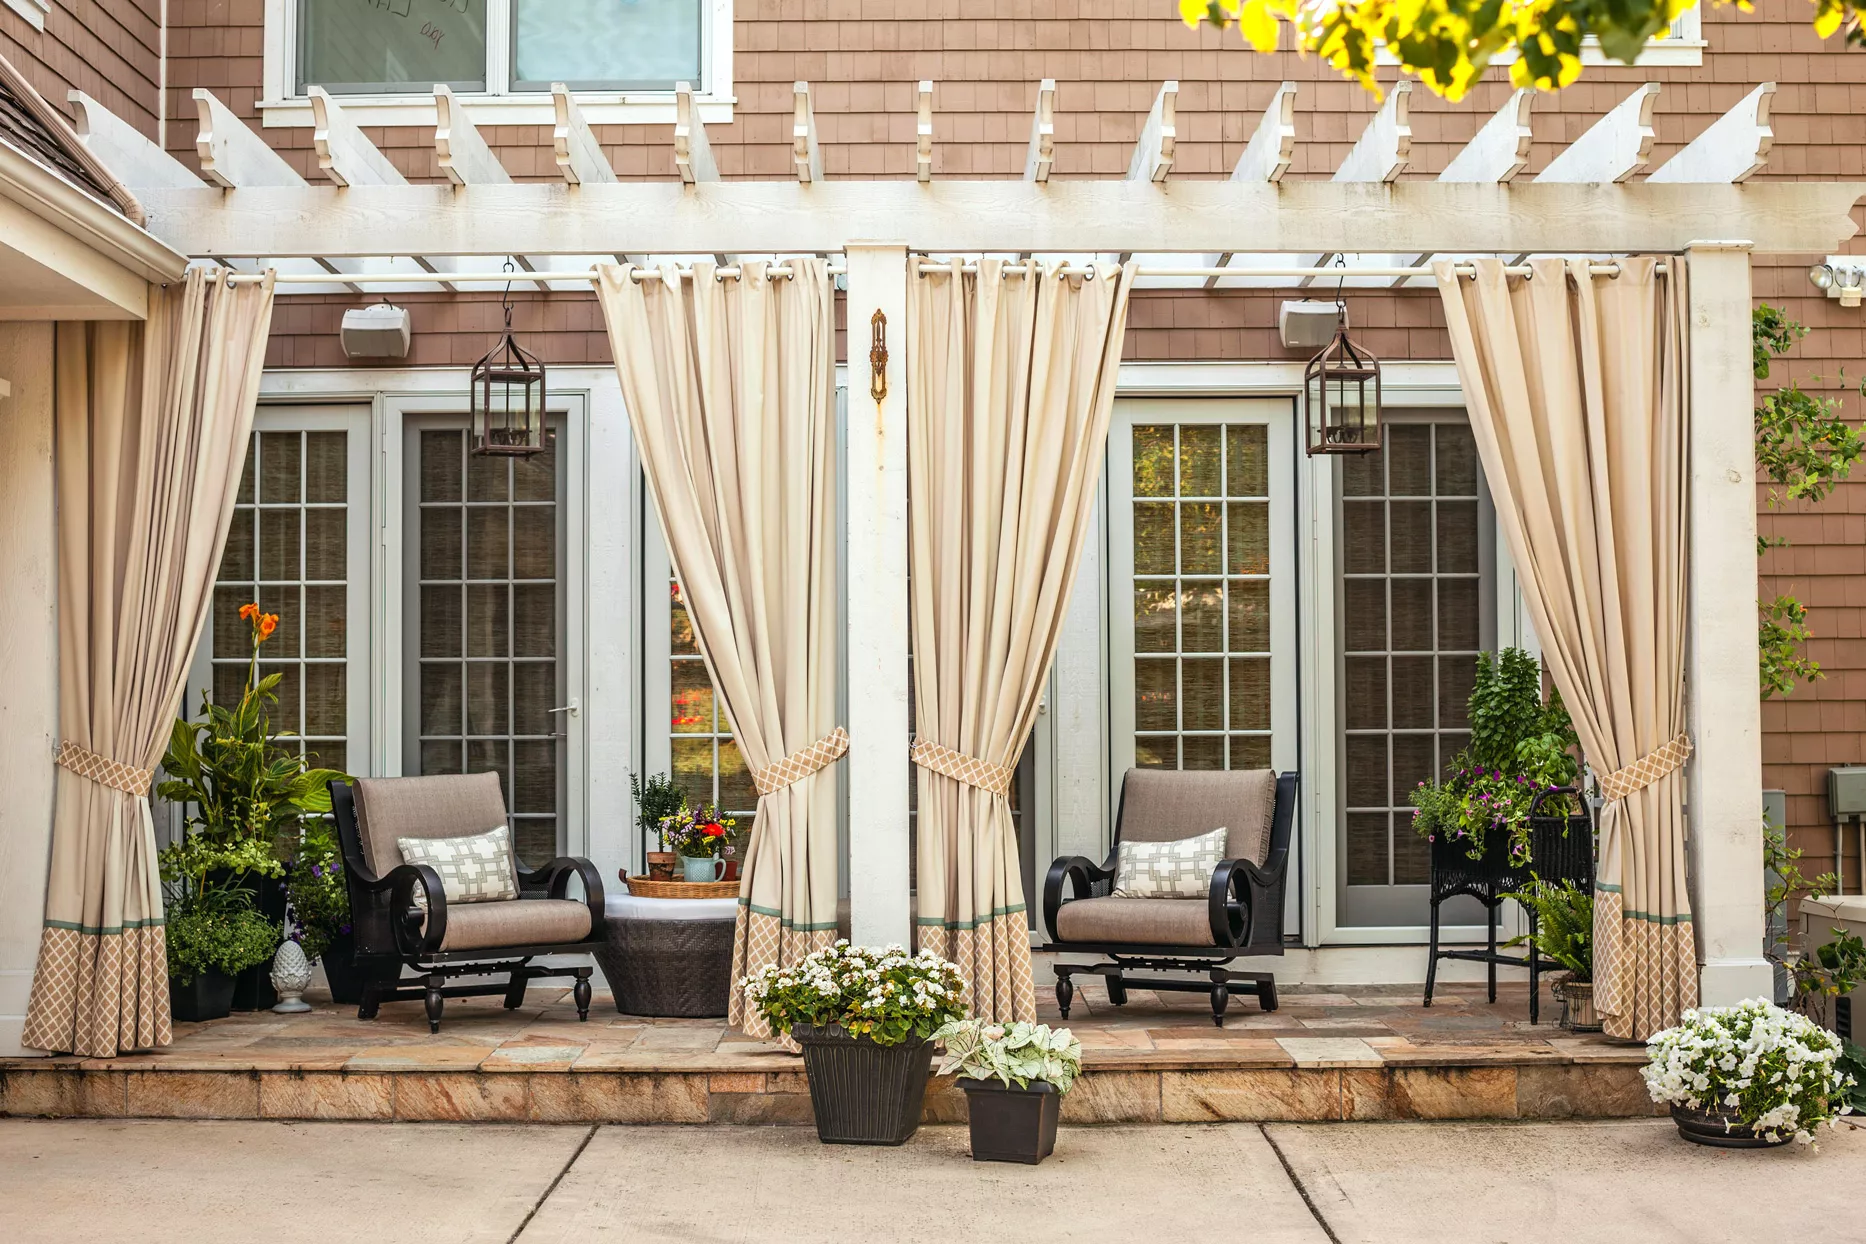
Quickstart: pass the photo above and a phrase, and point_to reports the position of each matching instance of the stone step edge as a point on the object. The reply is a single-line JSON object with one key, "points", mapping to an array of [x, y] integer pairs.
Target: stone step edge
{"points": [[1172, 1096]]}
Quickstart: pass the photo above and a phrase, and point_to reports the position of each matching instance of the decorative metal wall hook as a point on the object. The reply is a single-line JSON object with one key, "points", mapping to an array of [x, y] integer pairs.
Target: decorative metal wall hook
{"points": [[878, 358]]}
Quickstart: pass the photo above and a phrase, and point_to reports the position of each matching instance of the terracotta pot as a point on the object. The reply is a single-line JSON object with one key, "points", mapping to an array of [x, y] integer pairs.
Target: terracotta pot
{"points": [[662, 865]]}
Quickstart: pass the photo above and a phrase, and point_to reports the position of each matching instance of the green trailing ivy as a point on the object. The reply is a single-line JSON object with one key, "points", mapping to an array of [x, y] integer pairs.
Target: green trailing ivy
{"points": [[1804, 449]]}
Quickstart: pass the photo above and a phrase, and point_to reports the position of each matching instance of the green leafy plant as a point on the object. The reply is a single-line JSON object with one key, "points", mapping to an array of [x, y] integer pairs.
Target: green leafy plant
{"points": [[1782, 868], [217, 930], [656, 799], [1520, 747], [1764, 1067], [1564, 925], [319, 902], [886, 995], [1015, 1053], [1804, 449]]}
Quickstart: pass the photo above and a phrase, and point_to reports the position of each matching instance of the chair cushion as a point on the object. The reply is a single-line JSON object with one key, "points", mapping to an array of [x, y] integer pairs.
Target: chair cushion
{"points": [[440, 806], [518, 922], [1165, 805], [1134, 921], [474, 869], [1181, 869]]}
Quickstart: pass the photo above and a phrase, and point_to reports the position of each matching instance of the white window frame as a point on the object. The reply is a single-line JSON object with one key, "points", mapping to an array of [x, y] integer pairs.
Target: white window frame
{"points": [[282, 105]]}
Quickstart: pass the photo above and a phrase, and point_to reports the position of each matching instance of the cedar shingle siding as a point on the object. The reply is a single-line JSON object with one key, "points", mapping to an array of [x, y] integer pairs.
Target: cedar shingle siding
{"points": [[985, 58]]}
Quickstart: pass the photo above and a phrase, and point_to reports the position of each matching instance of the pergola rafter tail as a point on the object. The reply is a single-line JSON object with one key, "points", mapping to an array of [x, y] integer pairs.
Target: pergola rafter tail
{"points": [[754, 217]]}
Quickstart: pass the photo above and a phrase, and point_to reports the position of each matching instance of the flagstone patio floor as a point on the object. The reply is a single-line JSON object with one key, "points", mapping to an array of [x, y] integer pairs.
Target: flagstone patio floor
{"points": [[1361, 1052]]}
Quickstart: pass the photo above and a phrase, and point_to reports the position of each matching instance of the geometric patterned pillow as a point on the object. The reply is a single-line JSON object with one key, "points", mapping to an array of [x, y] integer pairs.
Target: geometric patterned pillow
{"points": [[475, 869], [1181, 869]]}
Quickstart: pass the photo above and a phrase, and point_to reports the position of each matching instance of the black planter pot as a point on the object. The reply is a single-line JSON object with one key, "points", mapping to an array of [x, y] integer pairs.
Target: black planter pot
{"points": [[252, 990], [208, 996], [1011, 1124], [1720, 1130], [863, 1093], [341, 971]]}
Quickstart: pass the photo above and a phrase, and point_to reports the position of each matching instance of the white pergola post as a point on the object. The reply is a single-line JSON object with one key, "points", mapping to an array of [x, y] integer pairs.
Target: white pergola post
{"points": [[875, 468], [1723, 780]]}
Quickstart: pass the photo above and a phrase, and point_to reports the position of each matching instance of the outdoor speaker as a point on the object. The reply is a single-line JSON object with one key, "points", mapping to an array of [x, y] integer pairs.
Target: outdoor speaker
{"points": [[1309, 325], [375, 332]]}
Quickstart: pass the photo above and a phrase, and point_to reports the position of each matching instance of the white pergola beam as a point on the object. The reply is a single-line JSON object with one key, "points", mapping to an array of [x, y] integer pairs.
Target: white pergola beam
{"points": [[1153, 150], [1267, 155], [458, 147], [923, 132], [124, 150], [805, 154], [1385, 146], [1042, 153], [693, 155], [344, 153], [1500, 149], [1732, 149], [579, 156], [1613, 149], [231, 155], [1075, 216]]}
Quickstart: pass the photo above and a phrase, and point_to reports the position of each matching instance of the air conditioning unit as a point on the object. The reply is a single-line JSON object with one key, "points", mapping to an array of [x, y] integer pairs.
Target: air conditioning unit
{"points": [[375, 332]]}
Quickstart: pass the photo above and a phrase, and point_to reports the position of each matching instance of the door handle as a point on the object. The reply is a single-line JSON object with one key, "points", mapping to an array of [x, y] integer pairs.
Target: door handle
{"points": [[574, 708]]}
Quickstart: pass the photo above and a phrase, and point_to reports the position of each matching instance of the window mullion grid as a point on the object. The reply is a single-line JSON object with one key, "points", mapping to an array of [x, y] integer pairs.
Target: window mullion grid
{"points": [[1386, 561], [1224, 588], [501, 39]]}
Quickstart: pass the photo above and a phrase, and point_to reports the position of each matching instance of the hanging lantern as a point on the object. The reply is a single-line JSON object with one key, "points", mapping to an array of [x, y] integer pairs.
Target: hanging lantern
{"points": [[1342, 388], [507, 398]]}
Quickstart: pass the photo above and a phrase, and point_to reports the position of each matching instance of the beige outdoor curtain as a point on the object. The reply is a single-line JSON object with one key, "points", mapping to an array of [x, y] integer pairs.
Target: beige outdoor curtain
{"points": [[152, 424], [1011, 382], [1577, 399], [730, 385]]}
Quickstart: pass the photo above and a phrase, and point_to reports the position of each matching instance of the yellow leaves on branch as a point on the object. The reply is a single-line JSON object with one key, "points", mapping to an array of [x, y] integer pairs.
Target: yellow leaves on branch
{"points": [[1448, 44]]}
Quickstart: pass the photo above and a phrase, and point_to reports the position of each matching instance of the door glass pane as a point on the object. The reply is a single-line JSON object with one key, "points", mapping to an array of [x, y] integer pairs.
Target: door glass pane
{"points": [[1411, 597], [707, 763], [612, 44], [488, 632], [286, 551], [366, 46], [1201, 595]]}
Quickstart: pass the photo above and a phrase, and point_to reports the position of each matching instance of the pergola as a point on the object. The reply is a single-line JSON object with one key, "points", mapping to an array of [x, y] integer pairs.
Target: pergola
{"points": [[364, 224]]}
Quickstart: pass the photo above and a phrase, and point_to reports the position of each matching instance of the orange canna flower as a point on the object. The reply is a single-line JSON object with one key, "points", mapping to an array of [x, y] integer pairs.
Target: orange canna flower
{"points": [[249, 612], [268, 623]]}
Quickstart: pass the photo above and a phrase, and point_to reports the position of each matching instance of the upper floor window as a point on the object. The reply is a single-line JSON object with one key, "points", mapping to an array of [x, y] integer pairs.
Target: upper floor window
{"points": [[381, 46], [501, 57]]}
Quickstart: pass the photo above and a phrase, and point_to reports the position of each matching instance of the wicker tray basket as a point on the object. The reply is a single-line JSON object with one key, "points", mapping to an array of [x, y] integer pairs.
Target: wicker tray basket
{"points": [[648, 887]]}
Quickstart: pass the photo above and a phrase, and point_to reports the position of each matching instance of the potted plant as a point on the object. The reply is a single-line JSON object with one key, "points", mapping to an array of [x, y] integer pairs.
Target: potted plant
{"points": [[865, 1019], [1565, 935], [701, 839], [246, 798], [213, 932], [1014, 1076], [318, 909], [655, 800], [1748, 1076]]}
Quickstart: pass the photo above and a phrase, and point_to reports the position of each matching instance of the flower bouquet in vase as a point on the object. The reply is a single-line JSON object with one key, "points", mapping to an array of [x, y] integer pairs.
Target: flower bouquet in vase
{"points": [[701, 838]]}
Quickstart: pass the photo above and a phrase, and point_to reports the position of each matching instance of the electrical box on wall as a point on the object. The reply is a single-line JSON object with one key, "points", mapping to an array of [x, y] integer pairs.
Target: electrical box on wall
{"points": [[1846, 792]]}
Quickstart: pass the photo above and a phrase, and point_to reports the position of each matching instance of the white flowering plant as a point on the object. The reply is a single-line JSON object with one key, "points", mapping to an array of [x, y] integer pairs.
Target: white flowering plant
{"points": [[886, 994], [1771, 1070], [1014, 1053]]}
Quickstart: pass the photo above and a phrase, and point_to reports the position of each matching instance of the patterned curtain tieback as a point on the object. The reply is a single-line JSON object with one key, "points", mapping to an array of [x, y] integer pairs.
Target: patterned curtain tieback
{"points": [[799, 765], [1646, 770], [104, 771], [990, 778]]}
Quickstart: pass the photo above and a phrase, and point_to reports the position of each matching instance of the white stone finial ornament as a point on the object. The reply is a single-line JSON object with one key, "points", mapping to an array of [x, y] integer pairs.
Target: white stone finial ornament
{"points": [[291, 976]]}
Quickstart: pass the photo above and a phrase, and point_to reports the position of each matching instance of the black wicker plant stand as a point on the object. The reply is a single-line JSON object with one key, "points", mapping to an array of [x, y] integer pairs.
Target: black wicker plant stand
{"points": [[1561, 849]]}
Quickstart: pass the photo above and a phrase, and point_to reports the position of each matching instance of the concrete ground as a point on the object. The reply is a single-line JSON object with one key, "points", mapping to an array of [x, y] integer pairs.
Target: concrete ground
{"points": [[1446, 1183]]}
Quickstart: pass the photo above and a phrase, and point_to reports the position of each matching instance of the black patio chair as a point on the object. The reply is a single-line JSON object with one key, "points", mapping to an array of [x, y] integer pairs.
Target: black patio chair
{"points": [[448, 941], [1241, 916]]}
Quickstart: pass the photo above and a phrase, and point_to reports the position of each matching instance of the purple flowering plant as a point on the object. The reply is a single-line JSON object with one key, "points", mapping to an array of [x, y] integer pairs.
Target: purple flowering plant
{"points": [[318, 904]]}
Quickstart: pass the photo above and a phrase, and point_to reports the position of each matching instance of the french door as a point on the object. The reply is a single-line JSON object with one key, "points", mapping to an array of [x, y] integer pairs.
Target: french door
{"points": [[484, 608], [1201, 595]]}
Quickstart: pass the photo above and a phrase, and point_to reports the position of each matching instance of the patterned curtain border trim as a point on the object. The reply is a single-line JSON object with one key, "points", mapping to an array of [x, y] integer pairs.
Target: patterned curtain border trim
{"points": [[1660, 762], [109, 930], [785, 920], [997, 913], [994, 779], [804, 762], [1643, 916], [81, 760]]}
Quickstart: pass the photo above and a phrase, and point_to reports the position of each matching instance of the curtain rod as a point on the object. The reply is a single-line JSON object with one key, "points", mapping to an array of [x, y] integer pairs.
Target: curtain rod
{"points": [[779, 271]]}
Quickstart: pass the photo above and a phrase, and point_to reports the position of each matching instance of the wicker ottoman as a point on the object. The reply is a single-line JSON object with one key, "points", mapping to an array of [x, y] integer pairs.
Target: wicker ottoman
{"points": [[669, 956]]}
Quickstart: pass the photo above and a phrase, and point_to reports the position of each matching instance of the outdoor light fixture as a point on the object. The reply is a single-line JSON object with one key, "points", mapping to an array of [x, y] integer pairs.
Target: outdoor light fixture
{"points": [[1842, 276], [377, 332], [507, 394], [1341, 386]]}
